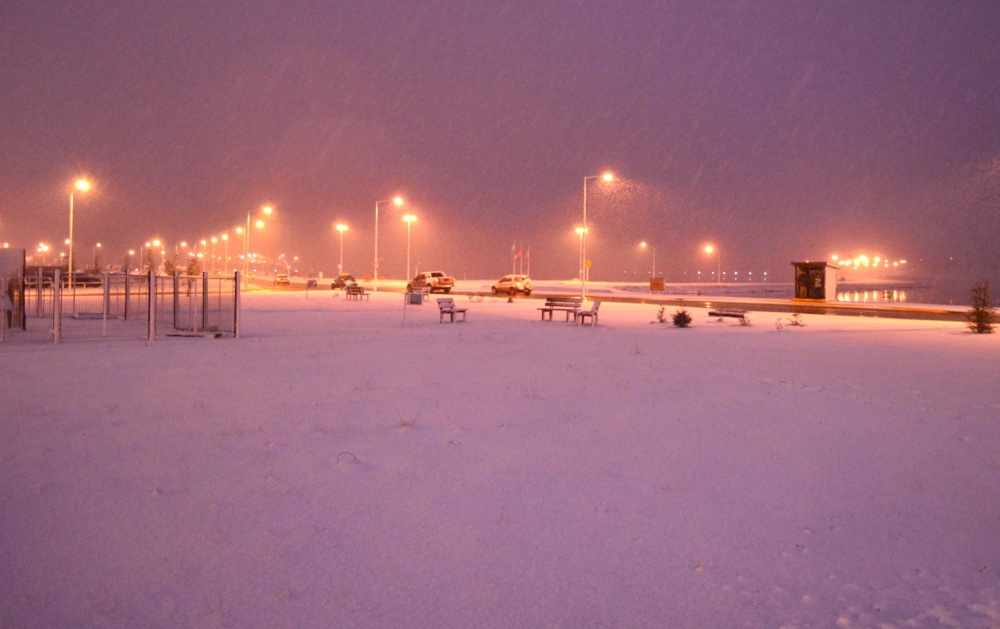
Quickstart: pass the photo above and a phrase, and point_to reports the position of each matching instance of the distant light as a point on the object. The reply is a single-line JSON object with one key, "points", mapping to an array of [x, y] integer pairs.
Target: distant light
{"points": [[82, 185], [398, 201], [709, 248], [608, 177], [268, 209]]}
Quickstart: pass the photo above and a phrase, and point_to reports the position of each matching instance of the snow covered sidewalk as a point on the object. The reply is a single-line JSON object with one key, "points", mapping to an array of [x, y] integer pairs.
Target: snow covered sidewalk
{"points": [[337, 467]]}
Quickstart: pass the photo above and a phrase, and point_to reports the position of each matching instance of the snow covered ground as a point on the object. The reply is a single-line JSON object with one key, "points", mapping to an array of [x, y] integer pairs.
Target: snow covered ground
{"points": [[337, 467]]}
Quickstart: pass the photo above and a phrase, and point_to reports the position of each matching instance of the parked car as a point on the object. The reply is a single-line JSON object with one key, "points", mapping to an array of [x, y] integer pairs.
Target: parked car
{"points": [[433, 280], [512, 284], [343, 281], [83, 280], [281, 279], [311, 283]]}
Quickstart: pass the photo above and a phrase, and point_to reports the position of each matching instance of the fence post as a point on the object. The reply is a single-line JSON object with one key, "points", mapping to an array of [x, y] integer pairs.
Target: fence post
{"points": [[6, 310], [151, 309], [128, 291], [177, 296], [107, 304], [204, 301], [236, 308], [56, 306], [38, 293]]}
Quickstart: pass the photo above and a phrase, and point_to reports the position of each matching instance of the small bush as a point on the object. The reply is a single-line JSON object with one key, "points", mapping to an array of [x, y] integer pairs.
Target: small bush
{"points": [[980, 317], [744, 321], [796, 319], [681, 319], [661, 314]]}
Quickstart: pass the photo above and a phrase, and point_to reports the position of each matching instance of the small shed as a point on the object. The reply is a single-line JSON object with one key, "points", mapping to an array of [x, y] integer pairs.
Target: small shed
{"points": [[815, 280]]}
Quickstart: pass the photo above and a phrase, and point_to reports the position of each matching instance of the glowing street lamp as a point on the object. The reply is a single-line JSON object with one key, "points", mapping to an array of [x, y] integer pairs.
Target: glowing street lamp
{"points": [[157, 243], [397, 201], [409, 218], [341, 227], [580, 231], [644, 245], [709, 249], [607, 178], [96, 261]]}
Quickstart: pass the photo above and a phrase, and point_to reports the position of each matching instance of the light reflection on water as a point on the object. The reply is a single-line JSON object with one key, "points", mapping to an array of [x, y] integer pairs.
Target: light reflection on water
{"points": [[873, 296]]}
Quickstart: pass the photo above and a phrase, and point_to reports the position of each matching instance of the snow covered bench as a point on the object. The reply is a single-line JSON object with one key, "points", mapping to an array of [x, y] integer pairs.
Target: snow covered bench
{"points": [[356, 292], [728, 312], [446, 306], [592, 313], [569, 305]]}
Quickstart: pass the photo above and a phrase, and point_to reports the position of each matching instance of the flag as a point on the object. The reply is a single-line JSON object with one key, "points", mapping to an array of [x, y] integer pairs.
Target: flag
{"points": [[518, 254]]}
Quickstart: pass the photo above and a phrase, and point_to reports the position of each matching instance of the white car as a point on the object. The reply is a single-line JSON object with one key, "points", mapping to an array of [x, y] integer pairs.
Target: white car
{"points": [[512, 284]]}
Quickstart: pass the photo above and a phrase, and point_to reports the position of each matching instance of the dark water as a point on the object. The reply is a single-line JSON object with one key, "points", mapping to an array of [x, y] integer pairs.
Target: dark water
{"points": [[949, 294], [902, 293]]}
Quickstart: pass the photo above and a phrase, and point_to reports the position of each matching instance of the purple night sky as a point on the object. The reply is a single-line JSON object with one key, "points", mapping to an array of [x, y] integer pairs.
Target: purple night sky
{"points": [[778, 131]]}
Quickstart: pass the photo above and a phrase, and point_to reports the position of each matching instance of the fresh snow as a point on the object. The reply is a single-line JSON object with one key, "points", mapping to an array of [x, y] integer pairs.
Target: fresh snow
{"points": [[341, 467]]}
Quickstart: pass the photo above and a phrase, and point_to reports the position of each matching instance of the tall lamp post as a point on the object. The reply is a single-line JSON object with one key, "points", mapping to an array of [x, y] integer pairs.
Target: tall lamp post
{"points": [[580, 231], [644, 244], [341, 227], [82, 185], [409, 218], [157, 244], [606, 177], [267, 209], [709, 249], [225, 239], [397, 201], [214, 240], [97, 248]]}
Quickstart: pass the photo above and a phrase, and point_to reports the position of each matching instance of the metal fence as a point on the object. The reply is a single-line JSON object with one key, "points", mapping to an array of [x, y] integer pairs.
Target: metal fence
{"points": [[120, 305]]}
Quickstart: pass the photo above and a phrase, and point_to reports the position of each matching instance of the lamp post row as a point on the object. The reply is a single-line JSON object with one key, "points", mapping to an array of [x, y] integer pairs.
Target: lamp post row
{"points": [[82, 185]]}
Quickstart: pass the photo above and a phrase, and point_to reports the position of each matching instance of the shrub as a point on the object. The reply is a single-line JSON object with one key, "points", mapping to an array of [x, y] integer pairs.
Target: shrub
{"points": [[661, 314], [744, 321], [681, 319], [980, 317]]}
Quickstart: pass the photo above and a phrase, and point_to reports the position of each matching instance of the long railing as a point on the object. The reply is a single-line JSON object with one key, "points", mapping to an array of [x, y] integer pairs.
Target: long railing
{"points": [[120, 305]]}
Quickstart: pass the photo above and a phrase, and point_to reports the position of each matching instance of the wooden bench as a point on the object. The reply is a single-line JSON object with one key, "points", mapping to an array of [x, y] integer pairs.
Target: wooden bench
{"points": [[356, 292], [592, 313], [446, 306], [569, 305], [728, 312]]}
